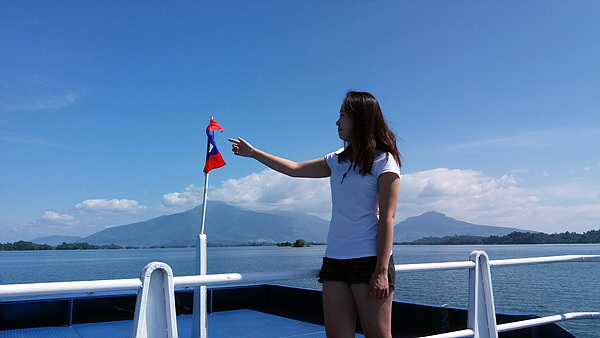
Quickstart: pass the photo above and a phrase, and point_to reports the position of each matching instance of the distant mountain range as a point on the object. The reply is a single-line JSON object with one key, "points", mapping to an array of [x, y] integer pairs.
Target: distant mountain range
{"points": [[229, 225], [225, 224], [57, 240], [435, 224]]}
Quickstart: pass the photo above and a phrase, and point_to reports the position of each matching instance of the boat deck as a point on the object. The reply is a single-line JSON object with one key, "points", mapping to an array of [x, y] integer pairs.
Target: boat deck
{"points": [[235, 323], [242, 311]]}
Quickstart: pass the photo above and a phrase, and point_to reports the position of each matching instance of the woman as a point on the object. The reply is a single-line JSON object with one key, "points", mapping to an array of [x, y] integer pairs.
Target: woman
{"points": [[358, 272]]}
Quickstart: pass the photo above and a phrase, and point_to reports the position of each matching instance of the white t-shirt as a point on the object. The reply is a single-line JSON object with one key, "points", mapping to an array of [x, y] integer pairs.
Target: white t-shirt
{"points": [[355, 206]]}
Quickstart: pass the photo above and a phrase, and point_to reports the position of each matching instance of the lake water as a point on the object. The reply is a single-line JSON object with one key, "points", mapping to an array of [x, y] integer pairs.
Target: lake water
{"points": [[543, 290]]}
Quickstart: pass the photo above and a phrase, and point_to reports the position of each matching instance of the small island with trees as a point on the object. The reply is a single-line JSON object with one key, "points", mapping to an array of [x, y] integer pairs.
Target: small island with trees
{"points": [[300, 243]]}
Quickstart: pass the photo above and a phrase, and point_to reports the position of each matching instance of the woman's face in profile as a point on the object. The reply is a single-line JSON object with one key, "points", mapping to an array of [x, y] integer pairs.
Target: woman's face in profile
{"points": [[345, 125]]}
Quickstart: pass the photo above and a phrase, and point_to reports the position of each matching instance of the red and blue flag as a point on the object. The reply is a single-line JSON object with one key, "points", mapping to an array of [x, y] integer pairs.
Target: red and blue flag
{"points": [[213, 156]]}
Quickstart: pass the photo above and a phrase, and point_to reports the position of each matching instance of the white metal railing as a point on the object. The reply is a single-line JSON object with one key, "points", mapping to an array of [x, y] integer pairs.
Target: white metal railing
{"points": [[58, 288], [84, 287], [481, 317]]}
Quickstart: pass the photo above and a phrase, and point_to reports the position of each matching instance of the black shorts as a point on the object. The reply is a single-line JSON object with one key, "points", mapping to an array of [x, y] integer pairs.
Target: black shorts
{"points": [[354, 271]]}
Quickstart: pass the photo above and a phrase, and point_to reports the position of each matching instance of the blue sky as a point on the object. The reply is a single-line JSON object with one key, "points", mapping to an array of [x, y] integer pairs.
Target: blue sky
{"points": [[103, 106]]}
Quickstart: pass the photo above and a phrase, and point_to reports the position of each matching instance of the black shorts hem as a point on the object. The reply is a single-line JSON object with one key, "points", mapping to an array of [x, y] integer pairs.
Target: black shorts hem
{"points": [[354, 271]]}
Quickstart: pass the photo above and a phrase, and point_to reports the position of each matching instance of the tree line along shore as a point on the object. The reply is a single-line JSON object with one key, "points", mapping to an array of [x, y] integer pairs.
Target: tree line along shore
{"points": [[589, 237], [26, 245]]}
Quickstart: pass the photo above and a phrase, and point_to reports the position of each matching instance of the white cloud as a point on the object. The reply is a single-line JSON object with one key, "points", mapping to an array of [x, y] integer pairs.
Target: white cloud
{"points": [[532, 138], [189, 198], [466, 195], [51, 223], [51, 216], [35, 92], [474, 197], [105, 206], [576, 191], [23, 139], [591, 167], [270, 190]]}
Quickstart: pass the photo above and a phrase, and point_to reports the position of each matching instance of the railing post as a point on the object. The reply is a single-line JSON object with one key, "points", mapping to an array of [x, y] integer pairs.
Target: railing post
{"points": [[199, 325], [155, 304], [482, 313]]}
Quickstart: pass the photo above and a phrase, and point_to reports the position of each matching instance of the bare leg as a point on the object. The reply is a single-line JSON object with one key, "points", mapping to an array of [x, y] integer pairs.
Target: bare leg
{"points": [[339, 309], [375, 316]]}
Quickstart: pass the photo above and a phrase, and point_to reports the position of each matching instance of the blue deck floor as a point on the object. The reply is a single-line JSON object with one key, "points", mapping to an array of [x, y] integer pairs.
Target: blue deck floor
{"points": [[237, 323]]}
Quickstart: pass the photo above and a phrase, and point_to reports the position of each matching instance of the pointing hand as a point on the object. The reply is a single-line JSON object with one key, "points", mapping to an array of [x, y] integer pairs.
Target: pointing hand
{"points": [[240, 147]]}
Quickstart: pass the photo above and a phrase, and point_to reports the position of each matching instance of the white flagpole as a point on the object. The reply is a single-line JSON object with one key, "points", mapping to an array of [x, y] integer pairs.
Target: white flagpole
{"points": [[205, 189], [199, 315], [204, 201]]}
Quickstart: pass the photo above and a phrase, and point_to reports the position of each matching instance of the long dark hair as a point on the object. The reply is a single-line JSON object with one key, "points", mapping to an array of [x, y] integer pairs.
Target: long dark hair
{"points": [[370, 132]]}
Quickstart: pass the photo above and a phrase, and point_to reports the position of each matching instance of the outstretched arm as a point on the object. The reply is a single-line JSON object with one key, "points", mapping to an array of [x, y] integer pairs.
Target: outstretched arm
{"points": [[313, 168]]}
